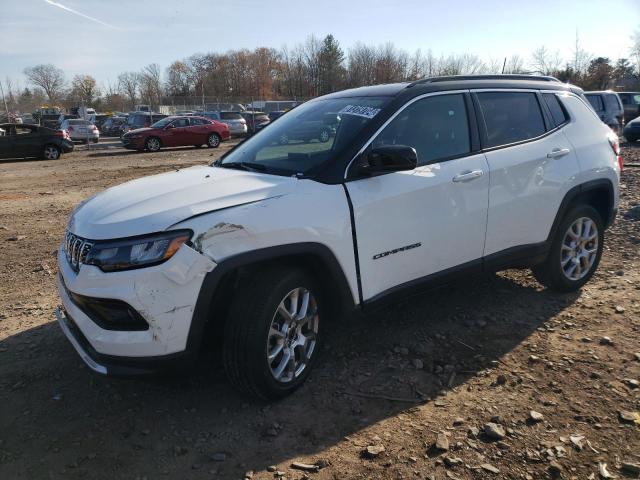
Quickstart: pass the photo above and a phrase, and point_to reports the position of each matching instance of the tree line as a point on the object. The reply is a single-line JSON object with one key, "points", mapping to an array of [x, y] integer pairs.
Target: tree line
{"points": [[314, 67]]}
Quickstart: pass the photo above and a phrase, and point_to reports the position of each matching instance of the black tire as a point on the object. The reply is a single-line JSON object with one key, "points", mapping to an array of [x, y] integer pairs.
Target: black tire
{"points": [[213, 141], [551, 273], [151, 145], [247, 328], [324, 136], [50, 152], [632, 139]]}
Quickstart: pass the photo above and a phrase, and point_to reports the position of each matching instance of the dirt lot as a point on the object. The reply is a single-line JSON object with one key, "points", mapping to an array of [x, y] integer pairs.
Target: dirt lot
{"points": [[442, 365]]}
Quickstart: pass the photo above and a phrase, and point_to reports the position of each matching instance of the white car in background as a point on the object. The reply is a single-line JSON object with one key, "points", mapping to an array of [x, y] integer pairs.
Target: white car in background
{"points": [[81, 130]]}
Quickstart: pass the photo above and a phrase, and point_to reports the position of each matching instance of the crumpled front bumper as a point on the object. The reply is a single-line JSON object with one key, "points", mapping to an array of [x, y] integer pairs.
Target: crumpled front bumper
{"points": [[164, 295]]}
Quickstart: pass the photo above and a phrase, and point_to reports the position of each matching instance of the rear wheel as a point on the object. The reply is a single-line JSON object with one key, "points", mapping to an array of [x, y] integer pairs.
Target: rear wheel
{"points": [[272, 334], [214, 140], [51, 152], [152, 144], [575, 251]]}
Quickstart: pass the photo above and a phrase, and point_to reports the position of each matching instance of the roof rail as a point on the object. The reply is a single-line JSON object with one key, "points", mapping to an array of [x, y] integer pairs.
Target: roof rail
{"points": [[506, 76]]}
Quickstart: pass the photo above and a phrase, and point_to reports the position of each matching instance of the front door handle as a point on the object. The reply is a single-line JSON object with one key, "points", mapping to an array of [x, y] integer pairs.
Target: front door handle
{"points": [[468, 175], [558, 152]]}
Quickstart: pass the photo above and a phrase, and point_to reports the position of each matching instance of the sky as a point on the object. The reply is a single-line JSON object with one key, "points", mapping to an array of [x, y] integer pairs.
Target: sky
{"points": [[105, 37]]}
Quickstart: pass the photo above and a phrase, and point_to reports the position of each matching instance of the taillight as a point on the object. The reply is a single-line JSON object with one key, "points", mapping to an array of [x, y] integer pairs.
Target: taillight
{"points": [[615, 145]]}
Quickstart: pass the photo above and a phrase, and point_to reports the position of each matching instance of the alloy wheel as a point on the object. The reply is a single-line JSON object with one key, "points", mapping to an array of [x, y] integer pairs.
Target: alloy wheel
{"points": [[153, 144], [292, 335], [324, 136], [51, 153], [579, 248], [214, 141]]}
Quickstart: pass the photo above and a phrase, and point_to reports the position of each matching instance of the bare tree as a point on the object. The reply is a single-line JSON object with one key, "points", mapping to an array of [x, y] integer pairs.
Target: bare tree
{"points": [[128, 83], [545, 62], [150, 84], [514, 64], [581, 58], [635, 50], [48, 77], [85, 88]]}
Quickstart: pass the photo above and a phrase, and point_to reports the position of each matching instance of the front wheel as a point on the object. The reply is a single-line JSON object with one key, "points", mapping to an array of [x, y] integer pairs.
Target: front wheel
{"points": [[152, 144], [272, 334], [214, 140], [575, 251]]}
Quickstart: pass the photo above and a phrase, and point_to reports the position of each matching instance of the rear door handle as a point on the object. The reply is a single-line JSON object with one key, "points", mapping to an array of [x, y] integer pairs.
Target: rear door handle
{"points": [[468, 175], [558, 152]]}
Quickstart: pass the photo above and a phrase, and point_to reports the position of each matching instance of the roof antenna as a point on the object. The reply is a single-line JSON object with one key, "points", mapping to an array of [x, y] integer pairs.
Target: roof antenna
{"points": [[504, 64]]}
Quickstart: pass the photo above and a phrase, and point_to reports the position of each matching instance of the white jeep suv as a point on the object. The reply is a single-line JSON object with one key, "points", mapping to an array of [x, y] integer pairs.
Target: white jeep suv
{"points": [[419, 183]]}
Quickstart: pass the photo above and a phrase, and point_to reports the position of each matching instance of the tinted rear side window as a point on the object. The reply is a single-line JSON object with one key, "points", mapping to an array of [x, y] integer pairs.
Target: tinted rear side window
{"points": [[437, 127], [611, 101], [230, 116], [596, 102], [558, 115], [511, 117]]}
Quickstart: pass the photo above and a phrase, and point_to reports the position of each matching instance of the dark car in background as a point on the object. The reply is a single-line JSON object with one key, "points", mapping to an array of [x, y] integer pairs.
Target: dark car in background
{"points": [[141, 120], [608, 107], [24, 141], [276, 114], [111, 126], [320, 129], [177, 131], [256, 121], [631, 103]]}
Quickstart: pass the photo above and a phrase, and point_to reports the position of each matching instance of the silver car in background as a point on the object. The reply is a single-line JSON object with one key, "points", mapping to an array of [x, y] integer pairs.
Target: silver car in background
{"points": [[236, 123], [80, 130]]}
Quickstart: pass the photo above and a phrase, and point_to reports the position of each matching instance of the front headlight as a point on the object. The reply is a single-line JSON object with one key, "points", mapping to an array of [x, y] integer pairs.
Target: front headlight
{"points": [[136, 252]]}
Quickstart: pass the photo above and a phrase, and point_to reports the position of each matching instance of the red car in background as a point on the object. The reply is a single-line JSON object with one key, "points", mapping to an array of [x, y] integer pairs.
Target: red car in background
{"points": [[177, 131]]}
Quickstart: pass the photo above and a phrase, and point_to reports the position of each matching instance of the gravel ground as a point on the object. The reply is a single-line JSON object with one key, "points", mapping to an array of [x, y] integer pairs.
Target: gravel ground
{"points": [[493, 378]]}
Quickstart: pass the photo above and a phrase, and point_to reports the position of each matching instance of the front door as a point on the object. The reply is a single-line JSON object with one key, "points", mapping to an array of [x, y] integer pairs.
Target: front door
{"points": [[416, 223]]}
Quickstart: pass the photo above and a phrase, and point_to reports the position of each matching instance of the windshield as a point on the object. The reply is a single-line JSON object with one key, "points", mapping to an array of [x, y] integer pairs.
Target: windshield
{"points": [[230, 116], [307, 137], [162, 123]]}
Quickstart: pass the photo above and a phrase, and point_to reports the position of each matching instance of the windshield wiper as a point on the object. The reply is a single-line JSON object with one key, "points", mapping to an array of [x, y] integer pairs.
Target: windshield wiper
{"points": [[248, 166]]}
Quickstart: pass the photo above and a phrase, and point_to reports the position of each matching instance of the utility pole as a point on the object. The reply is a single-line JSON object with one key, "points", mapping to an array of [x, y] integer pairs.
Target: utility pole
{"points": [[6, 109]]}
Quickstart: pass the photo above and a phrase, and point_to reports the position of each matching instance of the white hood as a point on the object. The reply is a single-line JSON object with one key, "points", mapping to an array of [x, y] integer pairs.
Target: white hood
{"points": [[155, 203]]}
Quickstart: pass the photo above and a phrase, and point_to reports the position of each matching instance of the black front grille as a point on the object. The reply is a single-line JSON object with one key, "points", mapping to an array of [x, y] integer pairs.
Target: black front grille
{"points": [[76, 250]]}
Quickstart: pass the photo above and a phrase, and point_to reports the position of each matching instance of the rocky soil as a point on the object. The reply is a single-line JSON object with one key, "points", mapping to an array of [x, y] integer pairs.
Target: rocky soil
{"points": [[490, 379]]}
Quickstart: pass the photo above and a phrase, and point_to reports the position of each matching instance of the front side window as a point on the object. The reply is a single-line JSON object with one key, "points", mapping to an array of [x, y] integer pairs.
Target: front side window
{"points": [[510, 117], [558, 115], [596, 102], [436, 127], [230, 116], [306, 138]]}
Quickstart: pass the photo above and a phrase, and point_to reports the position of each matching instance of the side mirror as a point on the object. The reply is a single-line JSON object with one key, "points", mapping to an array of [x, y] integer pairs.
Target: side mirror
{"points": [[390, 158]]}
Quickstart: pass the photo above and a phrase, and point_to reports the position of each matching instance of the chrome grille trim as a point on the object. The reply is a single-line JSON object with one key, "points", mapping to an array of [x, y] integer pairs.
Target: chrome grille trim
{"points": [[76, 250]]}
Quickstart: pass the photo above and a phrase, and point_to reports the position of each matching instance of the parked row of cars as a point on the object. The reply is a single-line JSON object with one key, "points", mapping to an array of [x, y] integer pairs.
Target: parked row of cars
{"points": [[614, 108]]}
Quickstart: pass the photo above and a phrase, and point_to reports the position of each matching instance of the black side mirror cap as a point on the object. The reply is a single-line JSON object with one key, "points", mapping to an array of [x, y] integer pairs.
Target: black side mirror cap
{"points": [[389, 158]]}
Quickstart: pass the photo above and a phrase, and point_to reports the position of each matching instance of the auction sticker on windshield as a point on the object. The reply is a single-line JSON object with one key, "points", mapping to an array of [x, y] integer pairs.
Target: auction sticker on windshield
{"points": [[367, 112]]}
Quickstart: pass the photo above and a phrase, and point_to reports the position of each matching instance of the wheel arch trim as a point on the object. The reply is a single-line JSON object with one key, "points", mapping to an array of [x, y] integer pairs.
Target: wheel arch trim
{"points": [[206, 298], [574, 193]]}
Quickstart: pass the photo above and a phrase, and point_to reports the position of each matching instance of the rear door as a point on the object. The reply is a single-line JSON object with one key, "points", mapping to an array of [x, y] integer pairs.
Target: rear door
{"points": [[198, 130], [597, 103], [532, 165]]}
